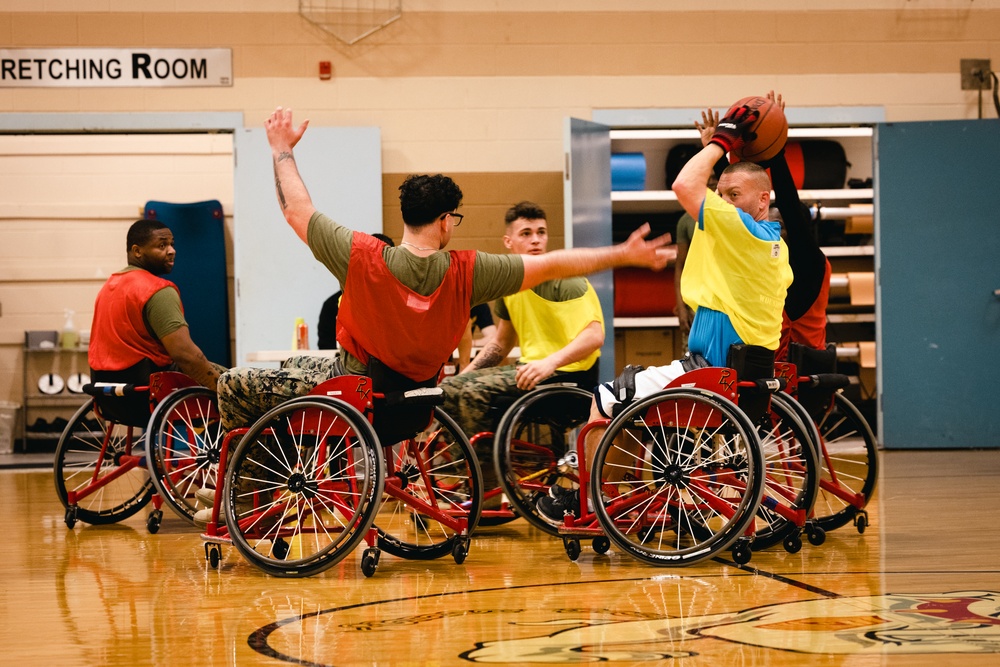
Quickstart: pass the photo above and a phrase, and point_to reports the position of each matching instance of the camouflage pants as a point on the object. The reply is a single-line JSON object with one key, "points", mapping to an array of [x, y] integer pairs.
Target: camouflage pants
{"points": [[245, 394], [467, 397]]}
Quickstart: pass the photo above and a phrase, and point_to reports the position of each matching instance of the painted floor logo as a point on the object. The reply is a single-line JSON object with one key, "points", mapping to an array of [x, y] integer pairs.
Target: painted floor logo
{"points": [[899, 623]]}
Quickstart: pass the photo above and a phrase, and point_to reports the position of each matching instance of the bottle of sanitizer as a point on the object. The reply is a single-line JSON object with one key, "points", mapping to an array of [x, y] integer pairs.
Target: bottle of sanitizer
{"points": [[69, 338]]}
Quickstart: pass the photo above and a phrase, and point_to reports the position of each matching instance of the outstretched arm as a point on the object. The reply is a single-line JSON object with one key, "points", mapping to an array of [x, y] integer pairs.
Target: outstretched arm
{"points": [[292, 194], [591, 338], [636, 251]]}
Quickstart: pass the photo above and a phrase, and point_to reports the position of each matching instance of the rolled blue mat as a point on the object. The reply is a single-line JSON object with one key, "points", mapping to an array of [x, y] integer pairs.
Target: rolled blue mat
{"points": [[628, 171]]}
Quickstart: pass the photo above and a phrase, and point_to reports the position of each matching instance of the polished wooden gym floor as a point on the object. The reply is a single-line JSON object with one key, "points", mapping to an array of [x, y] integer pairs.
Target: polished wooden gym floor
{"points": [[920, 587]]}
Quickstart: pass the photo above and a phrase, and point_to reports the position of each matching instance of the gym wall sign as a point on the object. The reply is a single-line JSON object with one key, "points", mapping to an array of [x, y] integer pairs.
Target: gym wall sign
{"points": [[115, 68]]}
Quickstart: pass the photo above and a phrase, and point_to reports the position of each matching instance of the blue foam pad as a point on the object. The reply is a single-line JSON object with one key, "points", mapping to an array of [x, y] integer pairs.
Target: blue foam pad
{"points": [[628, 171], [200, 271]]}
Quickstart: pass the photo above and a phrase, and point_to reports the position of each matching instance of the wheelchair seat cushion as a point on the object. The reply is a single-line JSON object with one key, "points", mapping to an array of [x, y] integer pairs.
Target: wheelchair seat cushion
{"points": [[133, 409], [394, 419]]}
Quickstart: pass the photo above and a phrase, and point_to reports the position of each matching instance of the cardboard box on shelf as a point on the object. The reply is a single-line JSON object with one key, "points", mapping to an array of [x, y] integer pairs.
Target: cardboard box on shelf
{"points": [[680, 344], [862, 223], [649, 347], [866, 371], [862, 288]]}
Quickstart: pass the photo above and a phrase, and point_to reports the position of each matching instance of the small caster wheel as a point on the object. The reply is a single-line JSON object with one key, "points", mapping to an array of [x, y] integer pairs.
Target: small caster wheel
{"points": [[601, 544], [816, 535], [861, 521], [572, 549], [792, 544], [742, 553], [460, 550], [70, 517], [369, 561], [279, 549], [153, 522], [214, 555]]}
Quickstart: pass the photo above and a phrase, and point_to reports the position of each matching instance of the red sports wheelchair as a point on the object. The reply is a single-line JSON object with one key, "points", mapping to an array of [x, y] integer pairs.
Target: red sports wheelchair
{"points": [[848, 451], [709, 463], [315, 477], [104, 468]]}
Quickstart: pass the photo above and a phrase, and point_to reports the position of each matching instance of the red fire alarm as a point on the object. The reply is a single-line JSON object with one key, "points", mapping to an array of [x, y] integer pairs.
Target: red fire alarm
{"points": [[325, 70]]}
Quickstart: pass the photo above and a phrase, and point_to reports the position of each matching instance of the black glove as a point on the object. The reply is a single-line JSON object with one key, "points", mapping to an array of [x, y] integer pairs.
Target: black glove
{"points": [[734, 130]]}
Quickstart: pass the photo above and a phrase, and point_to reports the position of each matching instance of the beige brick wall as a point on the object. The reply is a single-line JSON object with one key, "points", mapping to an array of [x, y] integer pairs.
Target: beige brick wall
{"points": [[67, 202], [488, 91]]}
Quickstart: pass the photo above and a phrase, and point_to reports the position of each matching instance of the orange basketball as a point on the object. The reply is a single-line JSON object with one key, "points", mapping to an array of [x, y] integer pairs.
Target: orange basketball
{"points": [[771, 129]]}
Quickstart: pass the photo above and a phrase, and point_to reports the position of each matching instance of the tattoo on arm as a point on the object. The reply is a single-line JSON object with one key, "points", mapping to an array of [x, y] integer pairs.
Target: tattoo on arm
{"points": [[490, 356], [282, 156], [281, 193]]}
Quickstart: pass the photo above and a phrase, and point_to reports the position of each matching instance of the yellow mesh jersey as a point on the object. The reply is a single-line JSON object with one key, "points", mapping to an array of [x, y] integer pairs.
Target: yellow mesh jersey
{"points": [[544, 326], [730, 270]]}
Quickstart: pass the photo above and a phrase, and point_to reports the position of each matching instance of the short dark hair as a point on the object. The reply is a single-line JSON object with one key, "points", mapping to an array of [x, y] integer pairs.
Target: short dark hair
{"points": [[385, 239], [423, 199], [141, 231], [526, 209]]}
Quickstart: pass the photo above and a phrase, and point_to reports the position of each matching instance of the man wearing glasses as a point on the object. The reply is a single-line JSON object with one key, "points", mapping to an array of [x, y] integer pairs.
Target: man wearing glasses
{"points": [[405, 306]]}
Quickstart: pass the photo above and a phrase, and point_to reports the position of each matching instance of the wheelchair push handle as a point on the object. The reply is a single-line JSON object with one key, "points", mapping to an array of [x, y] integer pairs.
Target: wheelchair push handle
{"points": [[112, 389], [826, 381], [420, 396], [768, 385]]}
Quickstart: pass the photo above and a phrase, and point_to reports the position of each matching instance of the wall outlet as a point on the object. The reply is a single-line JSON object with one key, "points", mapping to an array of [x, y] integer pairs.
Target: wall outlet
{"points": [[976, 74]]}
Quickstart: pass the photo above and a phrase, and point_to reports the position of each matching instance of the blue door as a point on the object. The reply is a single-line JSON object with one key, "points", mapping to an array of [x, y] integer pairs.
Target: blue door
{"points": [[938, 264]]}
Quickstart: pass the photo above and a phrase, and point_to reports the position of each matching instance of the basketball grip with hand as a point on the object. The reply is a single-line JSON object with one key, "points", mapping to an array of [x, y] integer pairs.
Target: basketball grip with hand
{"points": [[735, 129]]}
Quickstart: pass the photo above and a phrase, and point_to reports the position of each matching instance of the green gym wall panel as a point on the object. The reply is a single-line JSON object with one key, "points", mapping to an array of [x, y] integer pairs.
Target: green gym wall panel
{"points": [[938, 264]]}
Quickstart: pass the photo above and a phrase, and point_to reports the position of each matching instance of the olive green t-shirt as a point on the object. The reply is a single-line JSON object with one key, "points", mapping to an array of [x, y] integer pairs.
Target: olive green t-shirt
{"points": [[162, 313], [493, 276]]}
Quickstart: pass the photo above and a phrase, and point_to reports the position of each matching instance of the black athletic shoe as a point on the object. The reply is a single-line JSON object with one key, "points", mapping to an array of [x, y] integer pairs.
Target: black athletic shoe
{"points": [[556, 492], [552, 510]]}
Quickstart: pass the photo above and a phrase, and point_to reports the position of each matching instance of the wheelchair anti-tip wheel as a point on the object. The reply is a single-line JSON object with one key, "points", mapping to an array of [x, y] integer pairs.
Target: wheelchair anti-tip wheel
{"points": [[99, 475], [791, 476], [433, 493], [677, 477], [303, 486], [186, 437], [535, 446], [849, 457]]}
